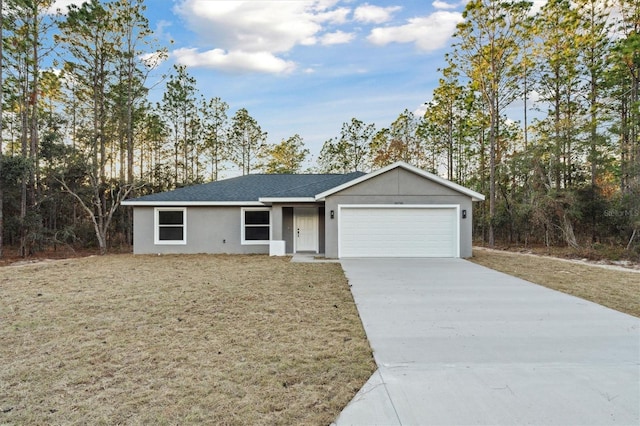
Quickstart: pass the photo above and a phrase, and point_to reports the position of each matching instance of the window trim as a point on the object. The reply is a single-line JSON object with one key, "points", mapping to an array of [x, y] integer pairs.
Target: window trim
{"points": [[243, 226], [156, 226]]}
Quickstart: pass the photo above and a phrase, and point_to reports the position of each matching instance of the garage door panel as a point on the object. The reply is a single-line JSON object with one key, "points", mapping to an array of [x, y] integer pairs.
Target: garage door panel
{"points": [[374, 231]]}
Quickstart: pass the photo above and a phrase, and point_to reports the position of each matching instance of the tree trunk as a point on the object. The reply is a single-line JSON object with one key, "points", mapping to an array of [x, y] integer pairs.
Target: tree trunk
{"points": [[567, 230], [1, 132], [33, 101], [129, 119], [24, 152], [492, 167], [631, 239], [593, 152]]}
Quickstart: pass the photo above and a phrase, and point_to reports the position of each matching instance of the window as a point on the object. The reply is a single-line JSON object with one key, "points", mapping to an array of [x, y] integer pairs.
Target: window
{"points": [[256, 226], [171, 226]]}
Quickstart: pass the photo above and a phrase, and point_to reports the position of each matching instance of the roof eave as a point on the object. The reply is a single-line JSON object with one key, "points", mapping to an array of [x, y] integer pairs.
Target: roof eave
{"points": [[190, 203], [287, 199]]}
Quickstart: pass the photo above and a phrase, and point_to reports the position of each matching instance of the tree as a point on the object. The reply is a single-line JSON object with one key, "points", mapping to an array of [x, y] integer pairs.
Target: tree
{"points": [[349, 153], [180, 109], [445, 122], [91, 38], [153, 134], [1, 128], [626, 72], [246, 141], [488, 52], [29, 25], [215, 127], [556, 58], [594, 46], [400, 142], [286, 157], [135, 64]]}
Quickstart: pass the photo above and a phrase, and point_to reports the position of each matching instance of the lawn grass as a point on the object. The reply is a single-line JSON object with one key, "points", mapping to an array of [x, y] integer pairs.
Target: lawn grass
{"points": [[616, 289], [189, 339]]}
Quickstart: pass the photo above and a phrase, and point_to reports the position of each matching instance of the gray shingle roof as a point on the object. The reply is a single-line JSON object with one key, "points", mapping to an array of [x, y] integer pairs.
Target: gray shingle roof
{"points": [[253, 187]]}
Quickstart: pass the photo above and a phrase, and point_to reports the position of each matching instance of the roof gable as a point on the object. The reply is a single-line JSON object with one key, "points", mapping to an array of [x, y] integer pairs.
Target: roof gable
{"points": [[475, 196]]}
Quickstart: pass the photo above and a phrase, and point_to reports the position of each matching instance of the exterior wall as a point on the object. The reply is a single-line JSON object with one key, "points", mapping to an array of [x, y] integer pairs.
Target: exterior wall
{"points": [[276, 222], [397, 186], [209, 230], [321, 230], [287, 228]]}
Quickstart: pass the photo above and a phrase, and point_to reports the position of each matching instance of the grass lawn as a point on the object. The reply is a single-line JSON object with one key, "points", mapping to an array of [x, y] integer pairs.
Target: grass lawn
{"points": [[619, 290], [227, 340]]}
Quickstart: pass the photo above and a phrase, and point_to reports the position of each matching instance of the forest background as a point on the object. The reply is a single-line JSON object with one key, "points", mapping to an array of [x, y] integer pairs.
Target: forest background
{"points": [[80, 133]]}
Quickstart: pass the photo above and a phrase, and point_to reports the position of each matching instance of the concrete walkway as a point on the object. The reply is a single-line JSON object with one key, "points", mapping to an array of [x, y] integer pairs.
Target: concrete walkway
{"points": [[460, 344]]}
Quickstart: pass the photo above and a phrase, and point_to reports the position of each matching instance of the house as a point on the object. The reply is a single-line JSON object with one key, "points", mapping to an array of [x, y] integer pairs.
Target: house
{"points": [[397, 211]]}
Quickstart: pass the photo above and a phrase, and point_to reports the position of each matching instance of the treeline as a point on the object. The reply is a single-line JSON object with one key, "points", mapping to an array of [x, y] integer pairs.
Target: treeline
{"points": [[79, 133]]}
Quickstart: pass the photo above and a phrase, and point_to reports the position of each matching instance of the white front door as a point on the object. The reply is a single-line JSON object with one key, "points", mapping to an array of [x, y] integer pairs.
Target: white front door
{"points": [[305, 232]]}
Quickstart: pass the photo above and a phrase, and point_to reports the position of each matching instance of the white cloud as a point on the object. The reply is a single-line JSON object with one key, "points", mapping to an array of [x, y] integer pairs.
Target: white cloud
{"points": [[420, 110], [438, 4], [246, 30], [154, 59], [368, 13], [536, 6], [428, 33], [534, 96], [62, 6], [337, 16], [252, 26], [338, 37], [234, 61], [161, 30]]}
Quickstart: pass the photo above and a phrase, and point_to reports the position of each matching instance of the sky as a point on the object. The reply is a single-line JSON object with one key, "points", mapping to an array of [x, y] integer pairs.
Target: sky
{"points": [[306, 67]]}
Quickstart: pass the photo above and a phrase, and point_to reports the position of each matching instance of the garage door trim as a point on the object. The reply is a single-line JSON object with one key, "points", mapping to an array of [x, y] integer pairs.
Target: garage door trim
{"points": [[455, 207]]}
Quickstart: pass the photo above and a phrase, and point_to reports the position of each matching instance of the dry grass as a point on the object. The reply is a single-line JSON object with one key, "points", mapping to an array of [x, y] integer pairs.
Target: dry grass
{"points": [[225, 340], [619, 290]]}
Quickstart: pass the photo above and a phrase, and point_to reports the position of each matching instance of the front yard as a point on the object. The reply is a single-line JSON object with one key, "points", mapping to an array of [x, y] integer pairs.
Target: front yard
{"points": [[178, 339]]}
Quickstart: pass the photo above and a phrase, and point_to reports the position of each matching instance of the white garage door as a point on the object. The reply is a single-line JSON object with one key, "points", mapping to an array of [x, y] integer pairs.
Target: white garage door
{"points": [[398, 231]]}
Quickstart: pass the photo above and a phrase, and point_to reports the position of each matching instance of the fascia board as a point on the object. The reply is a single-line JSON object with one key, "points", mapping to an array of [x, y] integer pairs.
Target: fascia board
{"points": [[287, 199], [191, 203]]}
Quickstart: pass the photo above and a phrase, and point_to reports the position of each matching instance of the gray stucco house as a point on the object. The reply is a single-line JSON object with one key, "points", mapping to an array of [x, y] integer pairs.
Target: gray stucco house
{"points": [[397, 211]]}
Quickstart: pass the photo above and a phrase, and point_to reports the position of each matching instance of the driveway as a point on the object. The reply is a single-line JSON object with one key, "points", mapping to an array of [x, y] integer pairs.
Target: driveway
{"points": [[457, 343]]}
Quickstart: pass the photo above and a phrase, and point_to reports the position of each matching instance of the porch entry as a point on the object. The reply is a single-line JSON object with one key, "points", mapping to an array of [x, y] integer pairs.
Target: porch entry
{"points": [[305, 229]]}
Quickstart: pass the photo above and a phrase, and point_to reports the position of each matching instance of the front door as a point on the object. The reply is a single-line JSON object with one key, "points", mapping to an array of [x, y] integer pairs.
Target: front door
{"points": [[305, 233]]}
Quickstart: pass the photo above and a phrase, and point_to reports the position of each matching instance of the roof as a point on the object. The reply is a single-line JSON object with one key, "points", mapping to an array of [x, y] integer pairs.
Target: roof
{"points": [[261, 189], [255, 189], [475, 196]]}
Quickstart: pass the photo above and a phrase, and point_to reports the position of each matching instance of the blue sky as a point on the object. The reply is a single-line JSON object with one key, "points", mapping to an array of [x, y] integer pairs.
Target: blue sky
{"points": [[306, 67]]}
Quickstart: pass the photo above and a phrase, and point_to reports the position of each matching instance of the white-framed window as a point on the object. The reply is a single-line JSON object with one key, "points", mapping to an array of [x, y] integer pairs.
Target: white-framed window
{"points": [[170, 225], [256, 225]]}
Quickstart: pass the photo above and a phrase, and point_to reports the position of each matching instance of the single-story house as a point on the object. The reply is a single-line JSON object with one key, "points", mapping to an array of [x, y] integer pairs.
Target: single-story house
{"points": [[397, 211]]}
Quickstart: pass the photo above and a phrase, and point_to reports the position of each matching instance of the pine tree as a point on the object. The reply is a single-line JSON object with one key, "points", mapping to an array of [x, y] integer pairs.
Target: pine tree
{"points": [[285, 157], [246, 141], [558, 78], [488, 53]]}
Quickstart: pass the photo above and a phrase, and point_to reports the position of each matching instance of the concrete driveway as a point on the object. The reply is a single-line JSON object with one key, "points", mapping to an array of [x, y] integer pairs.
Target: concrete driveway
{"points": [[457, 344]]}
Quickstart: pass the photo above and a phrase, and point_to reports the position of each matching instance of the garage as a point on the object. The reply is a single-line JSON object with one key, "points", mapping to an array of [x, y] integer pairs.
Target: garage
{"points": [[398, 231]]}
